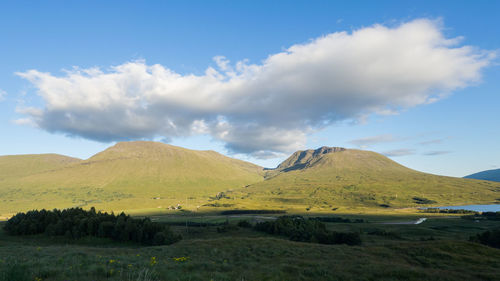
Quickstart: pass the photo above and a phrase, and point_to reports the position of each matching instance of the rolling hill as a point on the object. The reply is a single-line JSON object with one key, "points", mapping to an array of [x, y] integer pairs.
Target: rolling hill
{"points": [[15, 166], [129, 175], [146, 176], [489, 175], [329, 178]]}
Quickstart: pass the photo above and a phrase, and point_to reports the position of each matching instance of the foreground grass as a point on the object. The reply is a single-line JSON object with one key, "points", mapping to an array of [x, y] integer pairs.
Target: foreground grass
{"points": [[243, 254]]}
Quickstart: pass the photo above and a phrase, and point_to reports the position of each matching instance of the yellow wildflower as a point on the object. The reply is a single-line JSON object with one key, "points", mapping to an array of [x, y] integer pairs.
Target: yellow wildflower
{"points": [[181, 259]]}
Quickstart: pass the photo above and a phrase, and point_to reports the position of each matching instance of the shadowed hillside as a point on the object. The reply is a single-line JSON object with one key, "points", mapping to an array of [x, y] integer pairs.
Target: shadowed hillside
{"points": [[129, 175], [489, 175], [328, 179]]}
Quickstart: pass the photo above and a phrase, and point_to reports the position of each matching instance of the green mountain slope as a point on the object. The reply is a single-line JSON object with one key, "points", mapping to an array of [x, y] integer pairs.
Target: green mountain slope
{"points": [[130, 175], [15, 166], [150, 175], [329, 179], [489, 175]]}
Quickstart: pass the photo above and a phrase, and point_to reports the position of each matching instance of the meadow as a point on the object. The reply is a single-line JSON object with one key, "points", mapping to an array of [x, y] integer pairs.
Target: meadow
{"points": [[437, 249]]}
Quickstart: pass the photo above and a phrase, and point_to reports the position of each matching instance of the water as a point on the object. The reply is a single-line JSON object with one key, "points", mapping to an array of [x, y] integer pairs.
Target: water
{"points": [[476, 208]]}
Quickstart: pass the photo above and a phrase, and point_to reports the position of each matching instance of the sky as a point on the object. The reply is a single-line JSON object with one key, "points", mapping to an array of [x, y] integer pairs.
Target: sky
{"points": [[257, 80]]}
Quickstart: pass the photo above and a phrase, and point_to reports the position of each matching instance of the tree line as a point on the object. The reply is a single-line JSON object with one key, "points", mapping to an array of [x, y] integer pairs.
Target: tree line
{"points": [[298, 228], [448, 211], [493, 216], [76, 223]]}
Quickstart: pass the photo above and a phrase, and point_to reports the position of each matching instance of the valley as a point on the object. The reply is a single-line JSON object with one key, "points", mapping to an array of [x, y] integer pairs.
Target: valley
{"points": [[218, 207]]}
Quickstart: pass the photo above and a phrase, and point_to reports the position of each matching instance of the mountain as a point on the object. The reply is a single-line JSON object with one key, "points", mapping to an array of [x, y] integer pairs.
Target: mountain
{"points": [[144, 176], [489, 175], [129, 175], [333, 178]]}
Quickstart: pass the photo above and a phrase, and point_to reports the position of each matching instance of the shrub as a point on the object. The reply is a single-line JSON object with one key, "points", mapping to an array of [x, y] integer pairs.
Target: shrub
{"points": [[494, 216], [244, 223], [421, 200], [226, 228], [490, 238], [297, 228]]}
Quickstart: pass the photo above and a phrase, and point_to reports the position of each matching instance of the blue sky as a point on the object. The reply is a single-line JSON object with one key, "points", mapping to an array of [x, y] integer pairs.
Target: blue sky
{"points": [[436, 115]]}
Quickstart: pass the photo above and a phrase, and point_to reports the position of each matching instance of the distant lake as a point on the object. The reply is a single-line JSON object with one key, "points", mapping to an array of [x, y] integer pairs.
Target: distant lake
{"points": [[477, 208]]}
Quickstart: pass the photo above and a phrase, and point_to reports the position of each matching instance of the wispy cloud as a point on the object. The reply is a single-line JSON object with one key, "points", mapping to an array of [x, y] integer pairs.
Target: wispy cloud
{"points": [[265, 108], [399, 152], [3, 94], [434, 141], [368, 141], [437, 152]]}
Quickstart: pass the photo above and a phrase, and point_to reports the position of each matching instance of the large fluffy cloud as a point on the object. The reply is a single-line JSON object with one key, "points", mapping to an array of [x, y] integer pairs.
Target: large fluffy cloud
{"points": [[266, 108]]}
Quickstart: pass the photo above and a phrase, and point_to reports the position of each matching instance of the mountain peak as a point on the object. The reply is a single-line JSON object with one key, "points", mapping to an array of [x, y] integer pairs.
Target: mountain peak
{"points": [[304, 158], [326, 149]]}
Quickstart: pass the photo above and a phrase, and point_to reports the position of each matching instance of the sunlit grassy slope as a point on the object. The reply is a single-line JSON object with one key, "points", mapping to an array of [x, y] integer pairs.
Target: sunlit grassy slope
{"points": [[149, 177], [337, 179], [129, 175], [15, 166]]}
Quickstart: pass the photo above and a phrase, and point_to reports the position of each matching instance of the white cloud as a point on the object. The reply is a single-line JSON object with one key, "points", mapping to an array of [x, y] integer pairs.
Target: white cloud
{"points": [[436, 152], [264, 108]]}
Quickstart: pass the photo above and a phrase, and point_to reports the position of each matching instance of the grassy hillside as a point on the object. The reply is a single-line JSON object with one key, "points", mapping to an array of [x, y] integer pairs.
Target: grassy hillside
{"points": [[146, 177], [129, 175], [335, 179], [489, 175], [15, 166]]}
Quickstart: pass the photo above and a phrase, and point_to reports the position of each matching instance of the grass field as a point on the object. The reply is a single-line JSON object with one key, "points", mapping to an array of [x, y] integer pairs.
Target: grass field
{"points": [[434, 250]]}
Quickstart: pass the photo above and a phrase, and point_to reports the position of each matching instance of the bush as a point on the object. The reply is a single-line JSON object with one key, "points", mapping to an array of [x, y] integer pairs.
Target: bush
{"points": [[76, 223], [349, 238], [494, 216], [244, 223], [226, 228], [389, 234], [421, 200], [297, 228], [490, 238]]}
